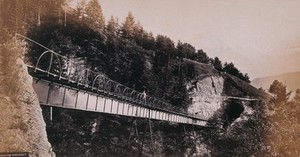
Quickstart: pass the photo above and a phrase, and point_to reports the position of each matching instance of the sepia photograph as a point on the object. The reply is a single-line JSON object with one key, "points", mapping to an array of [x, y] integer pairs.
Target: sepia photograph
{"points": [[149, 78]]}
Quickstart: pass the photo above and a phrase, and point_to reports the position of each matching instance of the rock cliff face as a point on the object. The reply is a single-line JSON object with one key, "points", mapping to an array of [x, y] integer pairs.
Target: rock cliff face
{"points": [[208, 100], [236, 121], [210, 91], [206, 95], [22, 128]]}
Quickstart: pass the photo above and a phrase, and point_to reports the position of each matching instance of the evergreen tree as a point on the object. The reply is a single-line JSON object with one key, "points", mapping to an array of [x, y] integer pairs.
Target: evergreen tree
{"points": [[40, 9], [112, 26], [52, 8], [217, 64], [80, 10], [164, 43], [18, 16], [139, 34], [297, 96], [202, 57], [12, 15], [186, 50], [246, 78], [282, 125], [164, 47], [94, 16], [279, 92], [148, 41], [230, 69], [127, 28]]}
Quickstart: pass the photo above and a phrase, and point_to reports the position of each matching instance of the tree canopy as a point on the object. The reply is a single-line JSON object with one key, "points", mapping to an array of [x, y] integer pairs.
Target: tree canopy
{"points": [[279, 92], [282, 127], [125, 52]]}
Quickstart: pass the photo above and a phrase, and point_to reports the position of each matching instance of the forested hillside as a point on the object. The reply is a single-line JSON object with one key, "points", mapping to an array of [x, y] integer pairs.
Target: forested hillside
{"points": [[124, 51], [128, 54]]}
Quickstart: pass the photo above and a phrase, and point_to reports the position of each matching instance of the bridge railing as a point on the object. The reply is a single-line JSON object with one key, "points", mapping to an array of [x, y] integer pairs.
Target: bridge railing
{"points": [[53, 65]]}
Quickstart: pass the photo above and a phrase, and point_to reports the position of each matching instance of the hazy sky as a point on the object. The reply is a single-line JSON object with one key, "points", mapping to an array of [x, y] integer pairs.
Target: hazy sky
{"points": [[260, 37]]}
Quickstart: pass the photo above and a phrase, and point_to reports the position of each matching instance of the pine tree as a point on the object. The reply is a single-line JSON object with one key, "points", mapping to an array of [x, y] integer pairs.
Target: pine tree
{"points": [[18, 15], [217, 64], [279, 92], [230, 69], [12, 14], [53, 8], [186, 50], [202, 57], [127, 28], [112, 26], [80, 11], [148, 41], [164, 49], [139, 34], [297, 96], [94, 16]]}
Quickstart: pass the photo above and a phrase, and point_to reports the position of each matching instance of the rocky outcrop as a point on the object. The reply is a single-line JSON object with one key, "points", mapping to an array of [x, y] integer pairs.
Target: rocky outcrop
{"points": [[22, 128], [206, 95], [211, 92], [236, 122]]}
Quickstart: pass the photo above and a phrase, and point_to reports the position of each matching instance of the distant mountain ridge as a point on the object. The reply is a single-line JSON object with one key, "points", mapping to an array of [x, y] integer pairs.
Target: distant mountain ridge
{"points": [[291, 80]]}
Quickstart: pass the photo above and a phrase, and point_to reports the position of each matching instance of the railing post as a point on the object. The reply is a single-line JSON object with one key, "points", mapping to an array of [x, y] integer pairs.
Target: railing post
{"points": [[49, 67], [51, 114]]}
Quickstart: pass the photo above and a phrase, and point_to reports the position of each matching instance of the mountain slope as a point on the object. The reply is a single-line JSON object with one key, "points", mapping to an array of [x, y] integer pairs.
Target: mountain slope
{"points": [[291, 80]]}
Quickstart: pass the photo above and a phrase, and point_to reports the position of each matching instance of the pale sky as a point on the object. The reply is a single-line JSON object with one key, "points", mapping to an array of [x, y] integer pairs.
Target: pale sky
{"points": [[260, 37]]}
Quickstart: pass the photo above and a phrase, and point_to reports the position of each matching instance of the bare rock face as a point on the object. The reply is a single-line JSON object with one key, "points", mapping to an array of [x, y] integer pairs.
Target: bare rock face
{"points": [[22, 127], [206, 95], [206, 101]]}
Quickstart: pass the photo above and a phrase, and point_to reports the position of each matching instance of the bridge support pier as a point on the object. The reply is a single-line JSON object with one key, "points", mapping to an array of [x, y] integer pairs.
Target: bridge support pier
{"points": [[152, 143]]}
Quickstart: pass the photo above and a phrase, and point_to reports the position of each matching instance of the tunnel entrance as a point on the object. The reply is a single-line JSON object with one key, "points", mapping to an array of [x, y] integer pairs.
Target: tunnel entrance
{"points": [[233, 111]]}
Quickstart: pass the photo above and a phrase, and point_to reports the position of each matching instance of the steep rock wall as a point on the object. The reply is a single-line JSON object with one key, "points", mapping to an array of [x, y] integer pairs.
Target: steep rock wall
{"points": [[236, 123], [22, 128], [206, 95]]}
